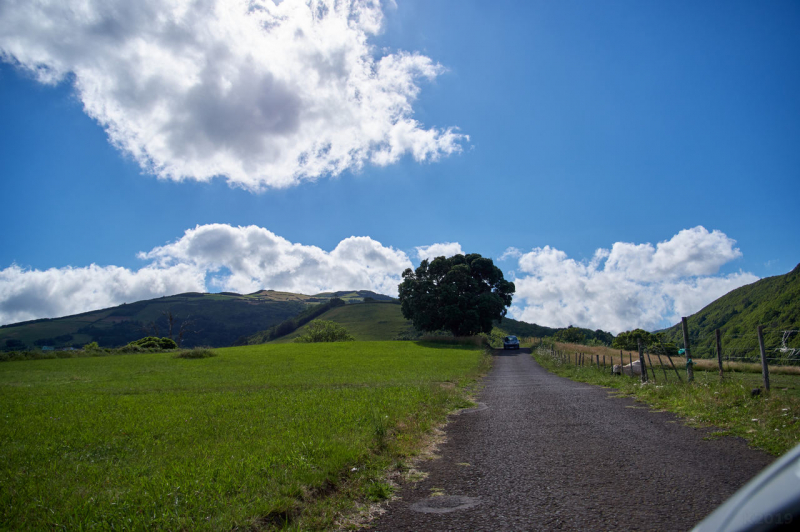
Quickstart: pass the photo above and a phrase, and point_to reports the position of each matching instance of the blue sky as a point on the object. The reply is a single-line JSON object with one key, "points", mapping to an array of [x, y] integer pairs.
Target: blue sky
{"points": [[591, 126]]}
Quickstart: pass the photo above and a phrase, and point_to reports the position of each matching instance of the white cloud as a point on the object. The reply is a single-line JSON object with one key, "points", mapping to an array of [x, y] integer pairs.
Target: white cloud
{"points": [[628, 286], [257, 258], [510, 253], [237, 259], [32, 294], [265, 93], [444, 249]]}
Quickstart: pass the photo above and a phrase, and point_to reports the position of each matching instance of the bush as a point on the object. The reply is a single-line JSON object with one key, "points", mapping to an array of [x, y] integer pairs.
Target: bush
{"points": [[197, 352], [152, 342], [324, 331]]}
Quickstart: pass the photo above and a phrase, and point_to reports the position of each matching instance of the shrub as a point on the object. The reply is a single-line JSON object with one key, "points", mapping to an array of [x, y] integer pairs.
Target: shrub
{"points": [[153, 342], [197, 352], [324, 331]]}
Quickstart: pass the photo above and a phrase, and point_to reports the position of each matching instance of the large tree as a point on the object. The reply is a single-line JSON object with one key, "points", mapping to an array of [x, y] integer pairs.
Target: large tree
{"points": [[463, 294]]}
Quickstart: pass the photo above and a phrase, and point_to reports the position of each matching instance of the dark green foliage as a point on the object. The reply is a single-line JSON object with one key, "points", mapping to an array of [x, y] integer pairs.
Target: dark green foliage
{"points": [[461, 294], [629, 340], [292, 324], [773, 302], [652, 342], [523, 330], [197, 352], [324, 331], [12, 344], [153, 342], [571, 335]]}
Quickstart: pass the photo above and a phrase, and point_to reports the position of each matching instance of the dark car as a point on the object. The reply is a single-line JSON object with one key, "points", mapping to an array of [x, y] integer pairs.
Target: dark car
{"points": [[510, 342]]}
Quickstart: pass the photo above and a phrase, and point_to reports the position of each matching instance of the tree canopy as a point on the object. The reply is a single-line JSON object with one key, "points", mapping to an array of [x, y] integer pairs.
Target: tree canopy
{"points": [[463, 294], [655, 342]]}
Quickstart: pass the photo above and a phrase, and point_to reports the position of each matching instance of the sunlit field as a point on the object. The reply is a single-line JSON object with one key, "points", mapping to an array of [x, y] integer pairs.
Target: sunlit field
{"points": [[250, 438]]}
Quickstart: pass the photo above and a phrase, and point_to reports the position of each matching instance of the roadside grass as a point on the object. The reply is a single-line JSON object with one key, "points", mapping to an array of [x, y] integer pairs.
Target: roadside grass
{"points": [[700, 364], [769, 421], [256, 437]]}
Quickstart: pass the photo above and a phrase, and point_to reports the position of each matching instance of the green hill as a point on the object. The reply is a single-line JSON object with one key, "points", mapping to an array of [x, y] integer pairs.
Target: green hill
{"points": [[365, 321], [384, 321], [210, 319], [773, 302]]}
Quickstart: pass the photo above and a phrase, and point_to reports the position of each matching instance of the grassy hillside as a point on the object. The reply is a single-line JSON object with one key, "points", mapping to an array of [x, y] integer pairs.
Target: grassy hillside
{"points": [[773, 302], [365, 321], [523, 329], [239, 441], [385, 321], [214, 319]]}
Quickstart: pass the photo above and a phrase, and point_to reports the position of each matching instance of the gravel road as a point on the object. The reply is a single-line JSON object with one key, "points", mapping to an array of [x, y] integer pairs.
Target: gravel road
{"points": [[552, 454]]}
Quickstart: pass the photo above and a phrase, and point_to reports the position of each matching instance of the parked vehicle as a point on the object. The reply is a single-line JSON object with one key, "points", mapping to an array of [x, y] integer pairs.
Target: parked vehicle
{"points": [[510, 342]]}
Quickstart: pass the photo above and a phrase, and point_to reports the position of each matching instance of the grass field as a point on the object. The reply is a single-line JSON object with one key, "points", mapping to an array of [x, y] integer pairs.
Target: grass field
{"points": [[365, 321], [246, 439], [770, 421]]}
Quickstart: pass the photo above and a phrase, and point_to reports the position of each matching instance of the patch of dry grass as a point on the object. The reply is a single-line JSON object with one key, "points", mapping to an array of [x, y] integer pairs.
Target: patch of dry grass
{"points": [[612, 356]]}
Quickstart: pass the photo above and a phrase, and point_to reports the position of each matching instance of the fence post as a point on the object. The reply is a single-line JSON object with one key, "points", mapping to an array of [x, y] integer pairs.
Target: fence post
{"points": [[719, 353], [652, 368], [661, 363], [671, 363], [689, 363], [764, 367], [641, 361]]}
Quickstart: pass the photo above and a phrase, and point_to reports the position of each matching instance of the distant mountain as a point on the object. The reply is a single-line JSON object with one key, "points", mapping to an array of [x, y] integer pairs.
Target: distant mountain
{"points": [[214, 320], [773, 302]]}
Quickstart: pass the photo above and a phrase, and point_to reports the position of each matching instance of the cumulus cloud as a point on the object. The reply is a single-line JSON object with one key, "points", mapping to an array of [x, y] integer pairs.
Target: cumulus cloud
{"points": [[510, 253], [628, 286], [215, 256], [444, 249], [32, 294], [265, 93], [257, 258]]}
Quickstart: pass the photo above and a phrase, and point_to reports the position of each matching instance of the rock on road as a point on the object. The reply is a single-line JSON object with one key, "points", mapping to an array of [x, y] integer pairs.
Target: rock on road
{"points": [[552, 454]]}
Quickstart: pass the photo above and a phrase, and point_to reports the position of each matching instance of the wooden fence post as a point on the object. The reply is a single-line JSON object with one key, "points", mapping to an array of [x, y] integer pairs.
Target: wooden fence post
{"points": [[671, 363], [719, 353], [689, 369], [641, 361], [764, 367], [661, 363], [652, 368]]}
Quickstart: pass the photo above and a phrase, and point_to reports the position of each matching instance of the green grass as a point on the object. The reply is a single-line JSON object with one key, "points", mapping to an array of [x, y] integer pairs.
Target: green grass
{"points": [[769, 421], [250, 438], [365, 321]]}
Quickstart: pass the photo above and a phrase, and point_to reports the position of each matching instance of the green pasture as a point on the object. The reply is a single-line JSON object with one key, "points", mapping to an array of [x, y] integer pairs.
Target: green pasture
{"points": [[250, 438], [365, 321]]}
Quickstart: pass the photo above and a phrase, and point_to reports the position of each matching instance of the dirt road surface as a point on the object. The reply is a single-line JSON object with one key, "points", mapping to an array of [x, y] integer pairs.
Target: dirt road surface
{"points": [[548, 453]]}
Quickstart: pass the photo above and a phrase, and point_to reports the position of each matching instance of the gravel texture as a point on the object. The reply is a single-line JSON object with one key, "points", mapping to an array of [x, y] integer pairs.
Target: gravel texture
{"points": [[552, 454]]}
